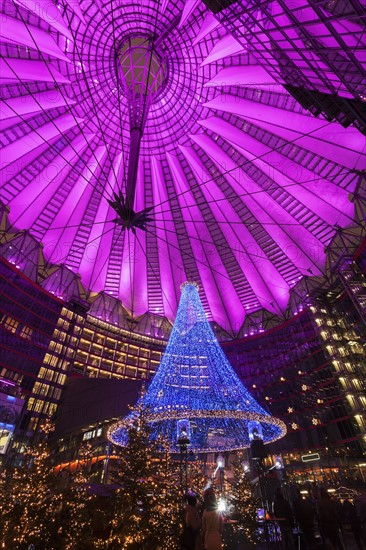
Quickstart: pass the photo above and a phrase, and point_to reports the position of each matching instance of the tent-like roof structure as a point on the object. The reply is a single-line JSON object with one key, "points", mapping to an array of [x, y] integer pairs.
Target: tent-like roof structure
{"points": [[239, 144]]}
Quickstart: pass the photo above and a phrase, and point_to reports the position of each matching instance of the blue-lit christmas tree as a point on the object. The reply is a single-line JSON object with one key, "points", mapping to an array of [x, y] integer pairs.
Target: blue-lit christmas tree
{"points": [[196, 393]]}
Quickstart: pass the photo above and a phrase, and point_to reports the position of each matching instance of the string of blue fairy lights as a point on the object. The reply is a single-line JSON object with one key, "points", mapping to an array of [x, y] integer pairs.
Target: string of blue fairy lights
{"points": [[196, 387]]}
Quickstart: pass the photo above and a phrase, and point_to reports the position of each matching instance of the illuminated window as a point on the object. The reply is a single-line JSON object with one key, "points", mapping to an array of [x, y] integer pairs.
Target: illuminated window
{"points": [[10, 324], [5, 437], [41, 388], [90, 434], [26, 333]]}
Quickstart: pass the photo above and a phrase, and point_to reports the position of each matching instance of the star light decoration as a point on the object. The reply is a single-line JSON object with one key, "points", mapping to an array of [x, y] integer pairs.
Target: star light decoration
{"points": [[196, 385]]}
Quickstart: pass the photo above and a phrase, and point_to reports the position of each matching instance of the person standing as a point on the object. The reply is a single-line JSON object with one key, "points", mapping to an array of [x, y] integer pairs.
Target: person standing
{"points": [[305, 516], [350, 514], [283, 513], [191, 536], [329, 519], [212, 524]]}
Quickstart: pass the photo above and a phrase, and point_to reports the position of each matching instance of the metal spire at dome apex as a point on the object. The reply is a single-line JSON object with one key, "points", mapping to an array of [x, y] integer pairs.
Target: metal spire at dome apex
{"points": [[149, 143]]}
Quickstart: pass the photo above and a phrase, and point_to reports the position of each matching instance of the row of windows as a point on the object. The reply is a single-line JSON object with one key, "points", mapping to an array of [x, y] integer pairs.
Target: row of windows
{"points": [[12, 325], [52, 376], [124, 371], [114, 348], [46, 390], [41, 406], [116, 365], [91, 434]]}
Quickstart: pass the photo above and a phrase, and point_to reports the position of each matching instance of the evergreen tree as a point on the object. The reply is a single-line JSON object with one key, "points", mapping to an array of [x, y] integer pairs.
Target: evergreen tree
{"points": [[242, 500], [77, 506], [29, 501], [34, 510], [4, 507], [147, 505], [167, 510], [197, 480]]}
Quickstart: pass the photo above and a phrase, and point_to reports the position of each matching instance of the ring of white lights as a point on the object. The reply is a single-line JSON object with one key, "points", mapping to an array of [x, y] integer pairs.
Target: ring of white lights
{"points": [[164, 416]]}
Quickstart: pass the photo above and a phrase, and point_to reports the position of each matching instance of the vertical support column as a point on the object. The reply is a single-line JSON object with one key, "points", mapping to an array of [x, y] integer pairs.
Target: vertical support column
{"points": [[355, 285], [133, 165]]}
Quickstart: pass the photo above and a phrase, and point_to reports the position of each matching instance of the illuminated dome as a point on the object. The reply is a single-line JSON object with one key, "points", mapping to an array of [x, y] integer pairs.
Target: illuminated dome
{"points": [[231, 181]]}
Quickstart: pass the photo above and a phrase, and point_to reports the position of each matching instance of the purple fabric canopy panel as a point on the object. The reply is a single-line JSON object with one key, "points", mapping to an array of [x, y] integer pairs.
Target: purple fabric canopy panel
{"points": [[147, 143]]}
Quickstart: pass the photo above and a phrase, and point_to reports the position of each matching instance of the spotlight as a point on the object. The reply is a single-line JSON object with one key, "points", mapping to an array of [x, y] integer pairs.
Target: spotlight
{"points": [[221, 505]]}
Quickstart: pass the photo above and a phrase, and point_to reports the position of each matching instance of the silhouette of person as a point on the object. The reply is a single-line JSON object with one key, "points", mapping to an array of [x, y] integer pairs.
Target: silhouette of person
{"points": [[329, 519], [305, 516], [282, 511], [192, 525], [350, 515], [212, 524]]}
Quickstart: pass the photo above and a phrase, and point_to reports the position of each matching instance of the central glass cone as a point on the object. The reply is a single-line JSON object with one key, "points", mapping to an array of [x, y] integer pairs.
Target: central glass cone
{"points": [[195, 390], [143, 69]]}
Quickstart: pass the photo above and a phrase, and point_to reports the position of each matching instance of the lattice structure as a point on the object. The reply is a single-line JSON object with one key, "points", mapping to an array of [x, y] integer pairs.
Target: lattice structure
{"points": [[143, 73], [239, 183], [316, 49]]}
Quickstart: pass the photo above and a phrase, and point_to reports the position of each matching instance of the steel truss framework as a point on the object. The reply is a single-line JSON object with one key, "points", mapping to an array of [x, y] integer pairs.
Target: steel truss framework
{"points": [[247, 187]]}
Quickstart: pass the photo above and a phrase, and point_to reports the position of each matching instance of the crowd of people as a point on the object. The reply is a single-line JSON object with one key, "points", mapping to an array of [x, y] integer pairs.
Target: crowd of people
{"points": [[328, 514], [203, 526]]}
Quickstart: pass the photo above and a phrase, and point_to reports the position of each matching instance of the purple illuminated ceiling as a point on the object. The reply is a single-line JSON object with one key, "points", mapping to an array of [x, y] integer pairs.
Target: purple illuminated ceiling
{"points": [[245, 186]]}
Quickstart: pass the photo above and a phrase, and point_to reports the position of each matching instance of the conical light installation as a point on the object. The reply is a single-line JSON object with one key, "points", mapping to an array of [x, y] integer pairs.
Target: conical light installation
{"points": [[195, 389]]}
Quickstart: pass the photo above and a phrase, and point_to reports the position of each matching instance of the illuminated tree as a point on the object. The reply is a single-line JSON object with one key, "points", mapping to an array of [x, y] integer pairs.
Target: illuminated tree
{"points": [[77, 506], [195, 399], [29, 501], [196, 389], [4, 506], [244, 503], [196, 477], [167, 510], [147, 505]]}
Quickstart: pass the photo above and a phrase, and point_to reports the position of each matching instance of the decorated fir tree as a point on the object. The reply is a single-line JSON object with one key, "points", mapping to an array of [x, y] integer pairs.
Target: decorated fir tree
{"points": [[167, 510], [4, 506], [243, 502], [29, 501], [197, 480], [147, 506], [77, 505], [195, 399]]}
